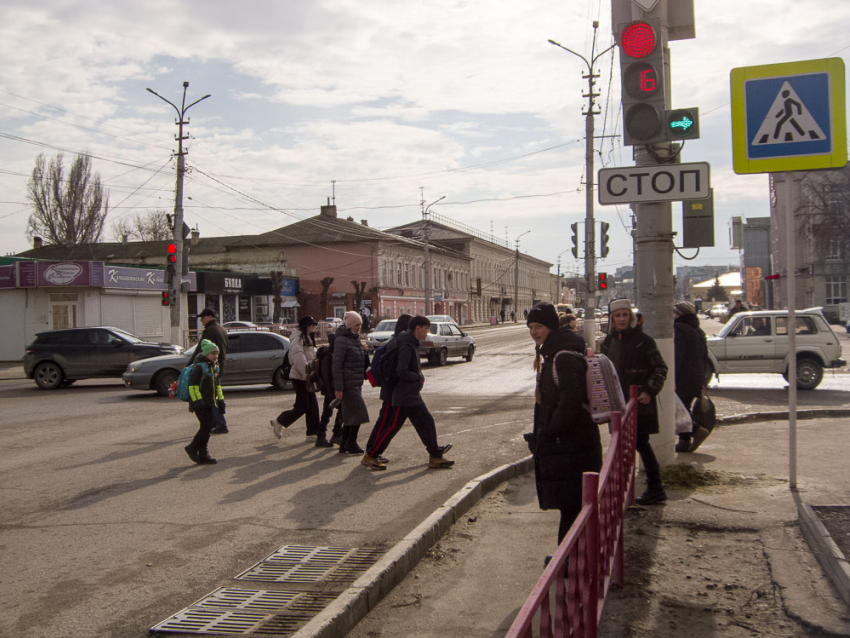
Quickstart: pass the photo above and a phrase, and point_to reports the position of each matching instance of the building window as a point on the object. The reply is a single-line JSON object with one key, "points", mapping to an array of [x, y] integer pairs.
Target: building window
{"points": [[834, 249], [390, 274], [836, 289], [398, 274], [406, 276], [384, 272]]}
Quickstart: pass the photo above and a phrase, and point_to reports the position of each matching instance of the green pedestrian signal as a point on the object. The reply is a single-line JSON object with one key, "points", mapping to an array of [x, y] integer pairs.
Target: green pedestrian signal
{"points": [[683, 124]]}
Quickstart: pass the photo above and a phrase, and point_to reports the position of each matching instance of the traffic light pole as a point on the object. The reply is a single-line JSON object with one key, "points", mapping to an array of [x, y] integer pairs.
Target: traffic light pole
{"points": [[589, 226], [175, 284]]}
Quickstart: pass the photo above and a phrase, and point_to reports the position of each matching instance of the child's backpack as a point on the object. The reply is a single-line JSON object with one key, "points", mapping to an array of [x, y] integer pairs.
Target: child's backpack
{"points": [[604, 393], [182, 389], [382, 370], [603, 387]]}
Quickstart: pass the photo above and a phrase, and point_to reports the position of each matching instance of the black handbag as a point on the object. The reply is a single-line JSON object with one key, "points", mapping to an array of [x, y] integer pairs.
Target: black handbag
{"points": [[703, 412], [313, 376]]}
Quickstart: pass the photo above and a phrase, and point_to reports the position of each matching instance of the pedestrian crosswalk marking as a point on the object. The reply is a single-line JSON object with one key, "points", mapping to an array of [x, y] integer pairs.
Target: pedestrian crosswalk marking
{"points": [[787, 121]]}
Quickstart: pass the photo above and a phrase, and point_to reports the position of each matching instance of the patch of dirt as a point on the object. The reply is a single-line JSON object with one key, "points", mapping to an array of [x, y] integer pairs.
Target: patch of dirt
{"points": [[687, 476], [836, 520]]}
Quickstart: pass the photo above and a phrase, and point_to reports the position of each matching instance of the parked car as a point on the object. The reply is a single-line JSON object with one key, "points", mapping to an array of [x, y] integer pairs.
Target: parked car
{"points": [[60, 357], [718, 311], [243, 325], [441, 319], [336, 321], [758, 342], [382, 333], [252, 357], [446, 340]]}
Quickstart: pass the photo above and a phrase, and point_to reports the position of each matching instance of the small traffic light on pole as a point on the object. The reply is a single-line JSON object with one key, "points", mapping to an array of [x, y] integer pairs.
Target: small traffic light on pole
{"points": [[683, 124], [170, 261], [166, 298], [603, 281], [575, 239], [603, 239], [642, 57]]}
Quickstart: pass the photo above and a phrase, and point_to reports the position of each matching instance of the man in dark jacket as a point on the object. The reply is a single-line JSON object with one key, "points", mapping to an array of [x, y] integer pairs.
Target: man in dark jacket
{"points": [[638, 362], [406, 399], [388, 423], [326, 360], [691, 351], [214, 332]]}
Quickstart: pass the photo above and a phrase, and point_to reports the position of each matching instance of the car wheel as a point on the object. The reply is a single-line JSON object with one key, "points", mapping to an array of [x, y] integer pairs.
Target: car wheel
{"points": [[470, 353], [709, 372], [442, 357], [164, 380], [809, 374], [48, 376], [280, 378]]}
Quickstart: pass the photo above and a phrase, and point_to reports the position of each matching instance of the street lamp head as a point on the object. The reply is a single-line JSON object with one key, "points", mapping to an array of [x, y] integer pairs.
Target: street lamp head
{"points": [[185, 85]]}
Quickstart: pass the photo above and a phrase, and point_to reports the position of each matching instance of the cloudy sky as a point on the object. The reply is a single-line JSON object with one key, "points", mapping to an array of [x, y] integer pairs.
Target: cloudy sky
{"points": [[392, 101]]}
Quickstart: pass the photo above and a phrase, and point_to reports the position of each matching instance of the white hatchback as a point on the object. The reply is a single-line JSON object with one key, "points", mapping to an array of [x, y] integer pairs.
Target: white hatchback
{"points": [[758, 342]]}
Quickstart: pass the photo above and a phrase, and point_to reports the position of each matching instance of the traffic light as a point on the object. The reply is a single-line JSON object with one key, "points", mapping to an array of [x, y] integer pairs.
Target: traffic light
{"points": [[603, 281], [683, 124], [166, 298], [575, 239], [642, 57], [170, 261], [771, 277], [603, 239]]}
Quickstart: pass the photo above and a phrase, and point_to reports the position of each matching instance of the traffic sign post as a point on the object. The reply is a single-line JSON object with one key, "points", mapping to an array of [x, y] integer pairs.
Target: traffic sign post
{"points": [[789, 117], [661, 183]]}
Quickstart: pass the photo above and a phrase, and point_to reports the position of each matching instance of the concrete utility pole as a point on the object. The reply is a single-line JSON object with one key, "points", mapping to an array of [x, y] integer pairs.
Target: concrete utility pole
{"points": [[516, 278], [175, 287], [589, 234], [427, 256]]}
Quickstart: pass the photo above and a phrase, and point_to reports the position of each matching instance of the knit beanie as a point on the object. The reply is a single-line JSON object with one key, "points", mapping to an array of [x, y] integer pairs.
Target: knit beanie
{"points": [[208, 346], [544, 314], [620, 304], [351, 319], [685, 308]]}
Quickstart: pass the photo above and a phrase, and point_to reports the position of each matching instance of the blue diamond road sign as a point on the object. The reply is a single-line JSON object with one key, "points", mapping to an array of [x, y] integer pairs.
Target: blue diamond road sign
{"points": [[789, 117]]}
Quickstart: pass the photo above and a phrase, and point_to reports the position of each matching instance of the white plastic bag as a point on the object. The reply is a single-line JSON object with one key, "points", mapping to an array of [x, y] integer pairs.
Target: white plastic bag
{"points": [[683, 418]]}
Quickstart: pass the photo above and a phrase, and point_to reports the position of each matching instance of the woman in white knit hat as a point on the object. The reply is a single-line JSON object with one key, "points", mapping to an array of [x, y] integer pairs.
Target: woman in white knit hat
{"points": [[638, 362], [349, 370]]}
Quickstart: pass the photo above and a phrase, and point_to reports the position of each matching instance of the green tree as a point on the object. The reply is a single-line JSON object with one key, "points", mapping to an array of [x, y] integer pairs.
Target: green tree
{"points": [[717, 292], [67, 208]]}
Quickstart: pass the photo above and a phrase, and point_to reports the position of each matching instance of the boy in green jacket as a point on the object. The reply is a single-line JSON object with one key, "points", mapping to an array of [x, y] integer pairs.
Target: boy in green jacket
{"points": [[204, 394]]}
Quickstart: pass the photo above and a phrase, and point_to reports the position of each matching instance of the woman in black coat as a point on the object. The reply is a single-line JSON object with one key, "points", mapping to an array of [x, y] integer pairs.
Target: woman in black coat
{"points": [[565, 441], [638, 362], [349, 369]]}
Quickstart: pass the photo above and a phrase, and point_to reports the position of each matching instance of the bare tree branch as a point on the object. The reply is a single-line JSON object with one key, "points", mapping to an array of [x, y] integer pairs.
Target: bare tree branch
{"points": [[151, 227]]}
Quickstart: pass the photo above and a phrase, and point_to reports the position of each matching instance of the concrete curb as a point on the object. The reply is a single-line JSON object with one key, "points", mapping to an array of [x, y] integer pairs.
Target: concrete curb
{"points": [[350, 607], [825, 550], [752, 417]]}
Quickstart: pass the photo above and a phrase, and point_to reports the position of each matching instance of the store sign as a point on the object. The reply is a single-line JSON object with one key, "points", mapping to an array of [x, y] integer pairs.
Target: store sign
{"points": [[140, 279], [64, 273], [288, 287], [7, 276]]}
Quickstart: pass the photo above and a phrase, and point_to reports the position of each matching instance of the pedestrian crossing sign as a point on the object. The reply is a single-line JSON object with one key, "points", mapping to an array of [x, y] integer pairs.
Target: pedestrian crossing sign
{"points": [[789, 117]]}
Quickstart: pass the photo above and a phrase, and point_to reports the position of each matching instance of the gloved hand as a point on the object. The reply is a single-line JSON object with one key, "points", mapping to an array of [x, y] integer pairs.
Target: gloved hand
{"points": [[221, 406]]}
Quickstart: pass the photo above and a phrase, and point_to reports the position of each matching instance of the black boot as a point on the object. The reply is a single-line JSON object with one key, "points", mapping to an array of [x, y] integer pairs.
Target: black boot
{"points": [[351, 441], [205, 457], [652, 495], [343, 440], [193, 453], [322, 439]]}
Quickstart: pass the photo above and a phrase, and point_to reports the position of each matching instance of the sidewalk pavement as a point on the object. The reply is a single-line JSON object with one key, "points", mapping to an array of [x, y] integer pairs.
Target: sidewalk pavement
{"points": [[480, 569]]}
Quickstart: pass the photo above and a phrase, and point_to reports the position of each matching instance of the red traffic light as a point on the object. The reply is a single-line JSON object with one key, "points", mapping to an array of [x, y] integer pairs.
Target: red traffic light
{"points": [[172, 248], [772, 277], [603, 281], [166, 298], [638, 40]]}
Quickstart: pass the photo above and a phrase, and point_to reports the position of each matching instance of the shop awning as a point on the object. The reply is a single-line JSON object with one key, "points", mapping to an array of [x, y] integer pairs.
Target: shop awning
{"points": [[290, 303]]}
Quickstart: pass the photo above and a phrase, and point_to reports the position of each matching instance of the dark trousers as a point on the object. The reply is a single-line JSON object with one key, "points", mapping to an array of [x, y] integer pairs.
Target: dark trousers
{"points": [[571, 509], [386, 427], [688, 402], [327, 411], [219, 422], [422, 422], [305, 404], [202, 438], [650, 463]]}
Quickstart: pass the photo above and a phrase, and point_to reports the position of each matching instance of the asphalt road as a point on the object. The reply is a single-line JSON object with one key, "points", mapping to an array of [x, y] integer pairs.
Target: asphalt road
{"points": [[108, 528]]}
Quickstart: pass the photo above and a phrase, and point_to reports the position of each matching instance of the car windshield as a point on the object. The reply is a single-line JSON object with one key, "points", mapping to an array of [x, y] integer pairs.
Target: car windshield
{"points": [[385, 326], [725, 330], [127, 336]]}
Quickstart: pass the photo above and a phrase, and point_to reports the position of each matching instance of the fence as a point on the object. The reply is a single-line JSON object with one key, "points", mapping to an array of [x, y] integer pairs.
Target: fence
{"points": [[593, 548]]}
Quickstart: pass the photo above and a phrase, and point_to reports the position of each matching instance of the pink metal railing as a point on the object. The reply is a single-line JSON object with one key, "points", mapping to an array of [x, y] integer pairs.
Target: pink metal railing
{"points": [[594, 545]]}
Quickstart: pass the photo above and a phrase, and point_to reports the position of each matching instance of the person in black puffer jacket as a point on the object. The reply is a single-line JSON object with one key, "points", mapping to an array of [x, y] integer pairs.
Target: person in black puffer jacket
{"points": [[386, 427], [326, 362], [349, 370], [691, 351], [638, 362], [565, 441]]}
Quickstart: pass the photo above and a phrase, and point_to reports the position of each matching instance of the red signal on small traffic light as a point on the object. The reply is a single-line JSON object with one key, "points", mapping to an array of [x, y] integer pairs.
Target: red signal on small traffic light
{"points": [[166, 298], [638, 40]]}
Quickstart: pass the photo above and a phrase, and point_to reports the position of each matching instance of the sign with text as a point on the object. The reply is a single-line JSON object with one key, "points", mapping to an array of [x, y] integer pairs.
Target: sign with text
{"points": [[663, 183]]}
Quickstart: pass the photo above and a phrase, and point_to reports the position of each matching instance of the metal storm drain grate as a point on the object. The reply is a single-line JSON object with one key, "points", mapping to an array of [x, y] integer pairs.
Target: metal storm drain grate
{"points": [[305, 564], [243, 611]]}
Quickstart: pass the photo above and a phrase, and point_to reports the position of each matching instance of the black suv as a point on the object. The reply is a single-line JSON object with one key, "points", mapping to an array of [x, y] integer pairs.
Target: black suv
{"points": [[61, 357]]}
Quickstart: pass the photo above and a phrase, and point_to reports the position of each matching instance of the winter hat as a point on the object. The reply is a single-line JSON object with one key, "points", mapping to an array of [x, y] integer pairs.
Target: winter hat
{"points": [[401, 324], [544, 314], [208, 346], [684, 308], [620, 304], [305, 322], [206, 312], [351, 319]]}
